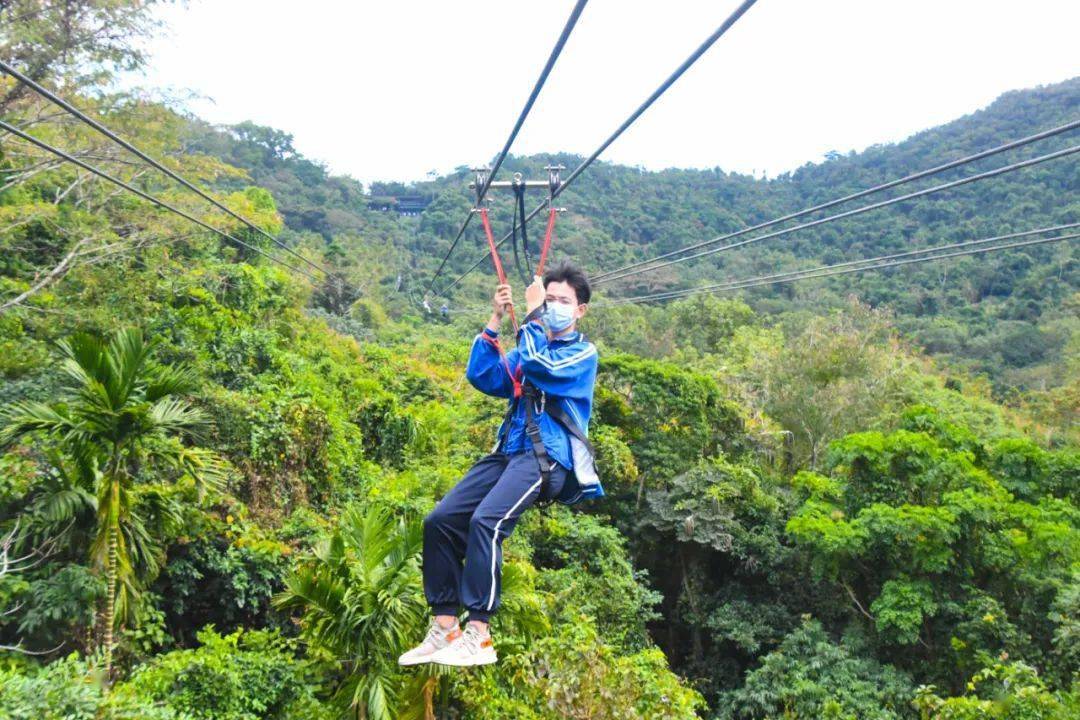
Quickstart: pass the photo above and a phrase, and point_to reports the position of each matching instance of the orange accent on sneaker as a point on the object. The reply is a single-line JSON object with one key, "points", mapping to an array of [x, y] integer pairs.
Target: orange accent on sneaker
{"points": [[486, 642], [453, 635]]}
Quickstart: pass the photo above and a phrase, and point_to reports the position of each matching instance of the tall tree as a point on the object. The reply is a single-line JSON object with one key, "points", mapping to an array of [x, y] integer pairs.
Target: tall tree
{"points": [[123, 418], [51, 40]]}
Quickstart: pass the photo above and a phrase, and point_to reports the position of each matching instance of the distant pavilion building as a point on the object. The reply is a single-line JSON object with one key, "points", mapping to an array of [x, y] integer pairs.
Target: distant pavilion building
{"points": [[401, 204]]}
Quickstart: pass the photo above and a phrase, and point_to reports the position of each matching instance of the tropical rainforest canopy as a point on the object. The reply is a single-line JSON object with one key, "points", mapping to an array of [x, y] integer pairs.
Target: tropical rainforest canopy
{"points": [[855, 498]]}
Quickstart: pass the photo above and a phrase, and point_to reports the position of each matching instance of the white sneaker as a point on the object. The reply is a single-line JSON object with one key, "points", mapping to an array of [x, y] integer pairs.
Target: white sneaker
{"points": [[437, 638], [471, 648]]}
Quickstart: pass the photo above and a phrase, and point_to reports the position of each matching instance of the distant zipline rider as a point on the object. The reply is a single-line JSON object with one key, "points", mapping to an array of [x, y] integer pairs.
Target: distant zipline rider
{"points": [[542, 454]]}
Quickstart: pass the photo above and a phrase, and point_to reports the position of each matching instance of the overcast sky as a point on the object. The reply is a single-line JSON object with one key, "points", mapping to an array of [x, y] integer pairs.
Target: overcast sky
{"points": [[392, 90]]}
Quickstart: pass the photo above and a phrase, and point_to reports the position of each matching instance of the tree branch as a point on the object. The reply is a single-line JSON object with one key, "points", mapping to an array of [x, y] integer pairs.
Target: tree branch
{"points": [[855, 600], [52, 275]]}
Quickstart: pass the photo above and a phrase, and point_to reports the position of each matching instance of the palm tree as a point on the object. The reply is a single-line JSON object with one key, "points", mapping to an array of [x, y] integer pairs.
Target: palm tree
{"points": [[119, 417], [360, 602]]}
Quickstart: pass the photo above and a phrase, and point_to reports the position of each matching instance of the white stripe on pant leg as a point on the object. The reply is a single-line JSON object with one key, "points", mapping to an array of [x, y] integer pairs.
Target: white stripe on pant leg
{"points": [[495, 538]]}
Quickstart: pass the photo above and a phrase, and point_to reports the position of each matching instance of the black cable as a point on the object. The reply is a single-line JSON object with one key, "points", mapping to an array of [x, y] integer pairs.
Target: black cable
{"points": [[513, 238], [525, 273], [482, 191], [146, 196], [55, 99], [525, 237], [856, 211], [600, 277], [694, 56], [976, 251], [849, 266]]}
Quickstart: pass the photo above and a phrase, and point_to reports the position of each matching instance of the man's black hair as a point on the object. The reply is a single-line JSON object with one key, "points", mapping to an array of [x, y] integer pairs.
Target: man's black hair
{"points": [[572, 275]]}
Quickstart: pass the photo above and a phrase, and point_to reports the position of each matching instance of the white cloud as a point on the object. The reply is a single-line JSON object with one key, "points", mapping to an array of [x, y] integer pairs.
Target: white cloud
{"points": [[391, 90]]}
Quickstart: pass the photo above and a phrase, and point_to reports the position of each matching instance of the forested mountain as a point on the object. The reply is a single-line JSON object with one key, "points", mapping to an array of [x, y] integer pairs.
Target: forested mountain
{"points": [[1006, 316], [852, 499]]}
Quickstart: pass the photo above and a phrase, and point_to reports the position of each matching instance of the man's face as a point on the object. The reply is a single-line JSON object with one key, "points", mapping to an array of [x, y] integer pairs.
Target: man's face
{"points": [[563, 292]]}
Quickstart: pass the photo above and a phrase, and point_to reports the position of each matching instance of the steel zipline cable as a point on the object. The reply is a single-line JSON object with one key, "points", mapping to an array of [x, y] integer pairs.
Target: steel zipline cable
{"points": [[967, 247], [482, 191], [57, 100], [823, 270], [7, 127], [603, 277], [709, 41], [856, 211]]}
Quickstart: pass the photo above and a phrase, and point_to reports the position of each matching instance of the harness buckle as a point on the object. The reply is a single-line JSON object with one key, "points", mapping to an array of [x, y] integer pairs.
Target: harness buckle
{"points": [[536, 396]]}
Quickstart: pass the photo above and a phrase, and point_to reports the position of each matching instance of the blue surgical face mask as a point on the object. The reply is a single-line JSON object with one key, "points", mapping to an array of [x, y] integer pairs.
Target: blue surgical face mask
{"points": [[558, 316]]}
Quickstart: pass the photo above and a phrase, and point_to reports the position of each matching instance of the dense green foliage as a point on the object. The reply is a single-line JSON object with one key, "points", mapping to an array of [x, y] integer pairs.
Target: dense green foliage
{"points": [[212, 472]]}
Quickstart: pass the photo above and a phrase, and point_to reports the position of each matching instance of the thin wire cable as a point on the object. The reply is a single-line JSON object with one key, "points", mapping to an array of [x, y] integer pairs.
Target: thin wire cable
{"points": [[146, 196], [57, 100], [882, 261], [761, 279], [599, 278], [694, 56], [482, 191], [976, 251], [857, 211], [836, 269], [924, 251]]}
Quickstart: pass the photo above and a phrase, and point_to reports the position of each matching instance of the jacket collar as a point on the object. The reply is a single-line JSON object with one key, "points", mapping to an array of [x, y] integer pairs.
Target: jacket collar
{"points": [[568, 337]]}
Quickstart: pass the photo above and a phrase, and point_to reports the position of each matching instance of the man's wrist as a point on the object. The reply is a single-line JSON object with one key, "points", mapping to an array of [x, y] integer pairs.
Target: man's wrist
{"points": [[494, 323]]}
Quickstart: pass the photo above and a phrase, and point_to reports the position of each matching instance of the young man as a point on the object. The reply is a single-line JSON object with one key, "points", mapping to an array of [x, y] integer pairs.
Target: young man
{"points": [[541, 454]]}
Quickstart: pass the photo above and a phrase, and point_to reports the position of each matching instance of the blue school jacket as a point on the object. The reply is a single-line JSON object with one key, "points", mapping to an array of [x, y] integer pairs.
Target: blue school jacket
{"points": [[565, 370]]}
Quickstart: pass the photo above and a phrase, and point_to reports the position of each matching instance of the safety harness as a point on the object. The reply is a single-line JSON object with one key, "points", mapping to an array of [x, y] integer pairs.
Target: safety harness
{"points": [[532, 395], [536, 403]]}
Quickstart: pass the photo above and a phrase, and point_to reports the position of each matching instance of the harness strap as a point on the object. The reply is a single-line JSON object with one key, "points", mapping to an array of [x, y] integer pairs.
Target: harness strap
{"points": [[515, 378], [532, 430], [497, 261], [548, 234], [559, 415], [530, 394], [526, 271]]}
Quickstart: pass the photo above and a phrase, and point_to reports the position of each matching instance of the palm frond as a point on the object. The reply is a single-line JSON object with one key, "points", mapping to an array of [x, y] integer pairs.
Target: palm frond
{"points": [[144, 553], [79, 464], [158, 508], [206, 468], [84, 358], [126, 353], [378, 698], [24, 417], [126, 594], [166, 380], [93, 399], [64, 505], [172, 414]]}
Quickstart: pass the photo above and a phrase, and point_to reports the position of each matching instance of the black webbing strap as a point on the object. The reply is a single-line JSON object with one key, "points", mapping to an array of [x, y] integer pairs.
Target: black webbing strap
{"points": [[559, 415], [530, 395], [520, 216]]}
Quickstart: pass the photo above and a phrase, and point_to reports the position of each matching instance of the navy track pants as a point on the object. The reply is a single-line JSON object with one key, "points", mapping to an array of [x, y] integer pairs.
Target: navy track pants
{"points": [[468, 526]]}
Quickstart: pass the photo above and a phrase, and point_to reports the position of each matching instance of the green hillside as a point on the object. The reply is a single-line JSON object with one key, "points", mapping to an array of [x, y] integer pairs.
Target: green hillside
{"points": [[1005, 316], [847, 499]]}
